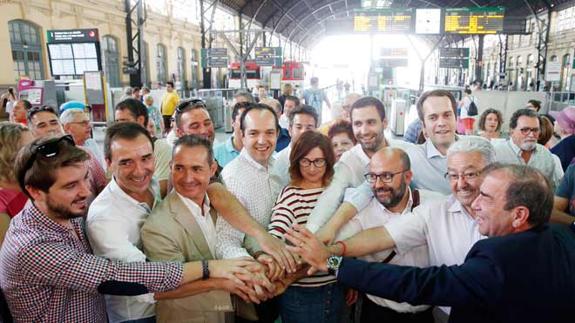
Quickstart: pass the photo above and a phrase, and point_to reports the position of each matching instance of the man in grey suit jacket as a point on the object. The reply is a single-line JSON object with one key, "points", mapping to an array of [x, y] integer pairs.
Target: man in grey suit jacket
{"points": [[182, 228]]}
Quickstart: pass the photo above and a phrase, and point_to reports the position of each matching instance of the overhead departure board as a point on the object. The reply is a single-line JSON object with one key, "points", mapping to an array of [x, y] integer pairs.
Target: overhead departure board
{"points": [[487, 20], [383, 21]]}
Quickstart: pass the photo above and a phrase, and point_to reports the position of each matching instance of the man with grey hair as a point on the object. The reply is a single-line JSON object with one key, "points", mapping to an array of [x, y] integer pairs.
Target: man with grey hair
{"points": [[243, 96], [522, 148], [446, 226], [76, 123]]}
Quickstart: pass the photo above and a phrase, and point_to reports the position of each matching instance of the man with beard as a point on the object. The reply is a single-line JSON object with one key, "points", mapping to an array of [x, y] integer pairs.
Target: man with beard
{"points": [[389, 176], [522, 148], [47, 271], [369, 123], [447, 226]]}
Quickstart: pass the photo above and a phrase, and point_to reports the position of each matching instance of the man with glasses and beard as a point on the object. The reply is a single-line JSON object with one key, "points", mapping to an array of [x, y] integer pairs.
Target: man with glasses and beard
{"points": [[522, 148], [47, 271], [389, 176]]}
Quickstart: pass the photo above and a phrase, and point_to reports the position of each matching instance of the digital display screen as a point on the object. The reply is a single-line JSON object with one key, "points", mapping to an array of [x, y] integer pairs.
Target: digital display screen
{"points": [[73, 59], [384, 21], [487, 20]]}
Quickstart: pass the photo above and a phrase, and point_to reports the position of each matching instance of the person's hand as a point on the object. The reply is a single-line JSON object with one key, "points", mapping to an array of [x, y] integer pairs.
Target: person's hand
{"points": [[274, 270], [326, 234], [277, 249], [351, 297], [243, 291], [305, 244], [232, 269]]}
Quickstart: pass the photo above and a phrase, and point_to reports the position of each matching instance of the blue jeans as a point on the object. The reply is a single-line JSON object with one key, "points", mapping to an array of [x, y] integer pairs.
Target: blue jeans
{"points": [[322, 304]]}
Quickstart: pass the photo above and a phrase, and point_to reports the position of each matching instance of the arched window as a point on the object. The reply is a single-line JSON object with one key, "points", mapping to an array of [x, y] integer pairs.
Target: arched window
{"points": [[161, 64], [182, 65], [111, 57], [26, 49]]}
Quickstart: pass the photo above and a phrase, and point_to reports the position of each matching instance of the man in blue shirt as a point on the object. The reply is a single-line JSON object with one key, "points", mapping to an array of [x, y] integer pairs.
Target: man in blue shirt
{"points": [[226, 152]]}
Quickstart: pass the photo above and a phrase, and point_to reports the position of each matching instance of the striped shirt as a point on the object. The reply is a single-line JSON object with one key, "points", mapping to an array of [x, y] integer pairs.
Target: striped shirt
{"points": [[293, 206]]}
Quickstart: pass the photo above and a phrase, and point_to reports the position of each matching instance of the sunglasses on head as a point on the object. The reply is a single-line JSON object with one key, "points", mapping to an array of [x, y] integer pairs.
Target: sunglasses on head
{"points": [[189, 104], [48, 149], [45, 108]]}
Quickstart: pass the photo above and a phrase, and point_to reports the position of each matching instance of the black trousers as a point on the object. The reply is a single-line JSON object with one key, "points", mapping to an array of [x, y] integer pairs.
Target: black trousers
{"points": [[373, 313]]}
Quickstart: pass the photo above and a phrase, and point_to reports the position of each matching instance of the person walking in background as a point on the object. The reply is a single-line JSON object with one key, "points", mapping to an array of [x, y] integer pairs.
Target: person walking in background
{"points": [[169, 103], [315, 97]]}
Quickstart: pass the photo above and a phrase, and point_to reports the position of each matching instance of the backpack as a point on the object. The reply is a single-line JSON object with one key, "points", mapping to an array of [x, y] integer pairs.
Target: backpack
{"points": [[472, 109]]}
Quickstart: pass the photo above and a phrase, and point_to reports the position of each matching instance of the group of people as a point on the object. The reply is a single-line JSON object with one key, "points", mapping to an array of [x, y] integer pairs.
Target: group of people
{"points": [[184, 229]]}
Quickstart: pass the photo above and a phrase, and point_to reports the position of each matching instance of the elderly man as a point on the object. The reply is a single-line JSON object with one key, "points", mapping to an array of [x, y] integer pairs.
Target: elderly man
{"points": [[500, 279], [302, 119], [182, 228], [522, 148], [389, 176], [77, 124], [47, 271]]}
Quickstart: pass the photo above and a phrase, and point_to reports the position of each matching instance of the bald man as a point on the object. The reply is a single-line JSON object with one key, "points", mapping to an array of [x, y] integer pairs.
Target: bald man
{"points": [[389, 176]]}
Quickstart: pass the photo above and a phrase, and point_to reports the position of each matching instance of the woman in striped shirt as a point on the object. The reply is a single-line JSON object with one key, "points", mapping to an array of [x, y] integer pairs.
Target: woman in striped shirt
{"points": [[317, 299]]}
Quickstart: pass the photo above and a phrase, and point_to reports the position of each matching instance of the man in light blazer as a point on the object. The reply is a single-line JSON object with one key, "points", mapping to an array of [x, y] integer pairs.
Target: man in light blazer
{"points": [[182, 228]]}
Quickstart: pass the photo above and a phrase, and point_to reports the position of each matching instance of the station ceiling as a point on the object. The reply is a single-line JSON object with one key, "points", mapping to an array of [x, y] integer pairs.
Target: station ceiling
{"points": [[304, 21]]}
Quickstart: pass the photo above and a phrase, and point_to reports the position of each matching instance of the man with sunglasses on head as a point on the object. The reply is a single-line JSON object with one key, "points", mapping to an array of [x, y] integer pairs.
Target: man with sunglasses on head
{"points": [[44, 122], [522, 148], [47, 271]]}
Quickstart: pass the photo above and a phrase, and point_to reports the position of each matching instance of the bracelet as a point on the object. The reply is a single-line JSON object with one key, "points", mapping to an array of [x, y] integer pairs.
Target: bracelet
{"points": [[205, 270], [343, 247]]}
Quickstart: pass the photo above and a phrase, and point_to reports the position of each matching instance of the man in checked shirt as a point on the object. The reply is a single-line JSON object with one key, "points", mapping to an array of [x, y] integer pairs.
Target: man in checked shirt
{"points": [[47, 270]]}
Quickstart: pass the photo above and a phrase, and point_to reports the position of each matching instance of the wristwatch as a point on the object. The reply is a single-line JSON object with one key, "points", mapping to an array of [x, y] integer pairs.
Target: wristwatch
{"points": [[333, 264]]}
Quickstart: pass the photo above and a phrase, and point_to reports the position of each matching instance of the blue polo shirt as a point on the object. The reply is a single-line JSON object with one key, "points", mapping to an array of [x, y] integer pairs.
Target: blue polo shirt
{"points": [[225, 152]]}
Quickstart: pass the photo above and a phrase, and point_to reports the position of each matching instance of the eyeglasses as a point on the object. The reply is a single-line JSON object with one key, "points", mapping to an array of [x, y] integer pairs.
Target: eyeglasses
{"points": [[188, 104], [466, 176], [386, 177], [525, 131], [47, 149], [318, 162]]}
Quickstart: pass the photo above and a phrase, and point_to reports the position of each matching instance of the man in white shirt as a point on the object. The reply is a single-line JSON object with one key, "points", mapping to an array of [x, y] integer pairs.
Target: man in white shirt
{"points": [[290, 103], [76, 122], [389, 177], [369, 123], [182, 228], [436, 109], [301, 119], [447, 226], [116, 215], [250, 179], [522, 148]]}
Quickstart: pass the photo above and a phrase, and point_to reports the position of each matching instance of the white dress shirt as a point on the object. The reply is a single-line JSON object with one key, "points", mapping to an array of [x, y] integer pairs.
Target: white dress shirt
{"points": [[349, 172], [257, 189], [203, 219], [376, 215], [282, 165], [94, 147], [113, 228], [541, 159], [443, 225]]}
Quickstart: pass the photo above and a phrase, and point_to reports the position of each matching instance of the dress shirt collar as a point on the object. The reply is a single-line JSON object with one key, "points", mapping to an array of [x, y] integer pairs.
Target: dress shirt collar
{"points": [[194, 207], [244, 154], [456, 207], [407, 208], [517, 150], [431, 151], [358, 151], [117, 191], [230, 145]]}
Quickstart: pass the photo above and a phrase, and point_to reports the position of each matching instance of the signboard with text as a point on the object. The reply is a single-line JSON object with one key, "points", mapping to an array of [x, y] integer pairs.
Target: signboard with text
{"points": [[215, 57], [74, 51]]}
